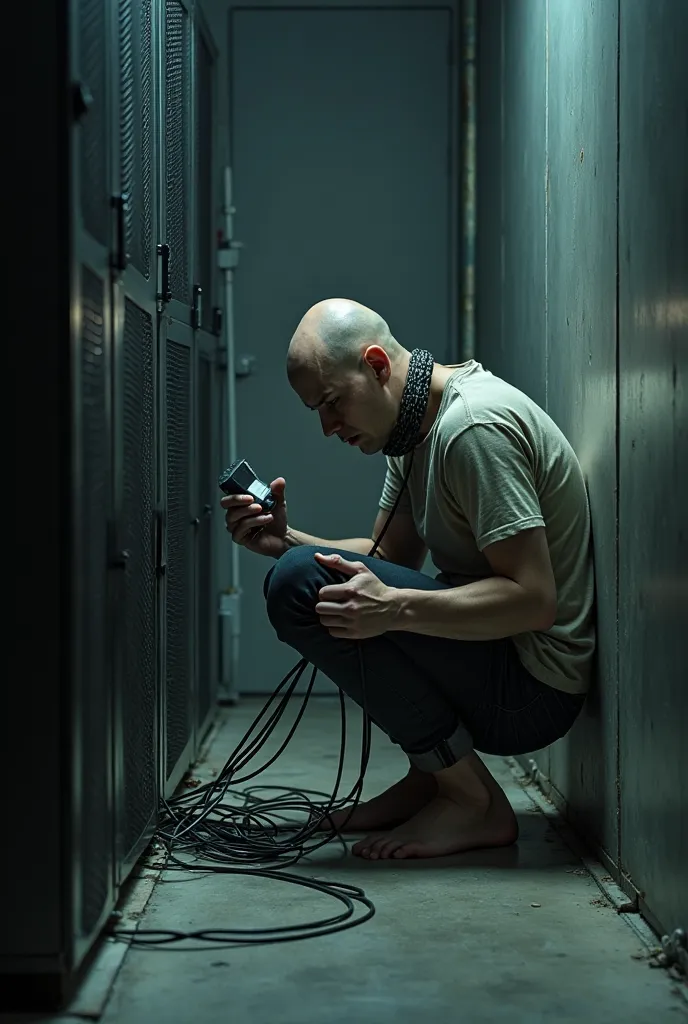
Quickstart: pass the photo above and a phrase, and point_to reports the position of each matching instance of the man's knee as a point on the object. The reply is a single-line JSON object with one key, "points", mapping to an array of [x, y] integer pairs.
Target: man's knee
{"points": [[291, 587]]}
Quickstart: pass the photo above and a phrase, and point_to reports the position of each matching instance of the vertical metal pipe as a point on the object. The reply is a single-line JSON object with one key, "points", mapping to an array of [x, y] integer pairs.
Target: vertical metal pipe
{"points": [[468, 176]]}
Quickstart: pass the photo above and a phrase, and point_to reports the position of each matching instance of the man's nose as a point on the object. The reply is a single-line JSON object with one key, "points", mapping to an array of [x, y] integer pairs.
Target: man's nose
{"points": [[328, 422]]}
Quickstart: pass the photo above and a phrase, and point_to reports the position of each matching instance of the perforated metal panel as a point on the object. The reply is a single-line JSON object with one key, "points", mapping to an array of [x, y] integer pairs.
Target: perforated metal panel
{"points": [[95, 831], [93, 161], [204, 170], [177, 145], [136, 128], [139, 627], [179, 602], [204, 578]]}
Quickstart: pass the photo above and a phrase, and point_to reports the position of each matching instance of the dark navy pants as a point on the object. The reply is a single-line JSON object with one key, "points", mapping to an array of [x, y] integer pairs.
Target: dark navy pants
{"points": [[437, 698]]}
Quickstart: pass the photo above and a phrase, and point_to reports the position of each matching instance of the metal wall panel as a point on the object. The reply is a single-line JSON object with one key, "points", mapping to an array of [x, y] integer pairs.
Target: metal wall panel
{"points": [[581, 354], [614, 383], [653, 447]]}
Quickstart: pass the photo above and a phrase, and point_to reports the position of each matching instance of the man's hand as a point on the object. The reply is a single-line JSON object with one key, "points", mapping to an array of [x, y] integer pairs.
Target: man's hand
{"points": [[360, 608], [265, 534]]}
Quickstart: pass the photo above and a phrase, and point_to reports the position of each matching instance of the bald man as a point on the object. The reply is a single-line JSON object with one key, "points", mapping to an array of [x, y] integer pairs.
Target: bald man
{"points": [[494, 655]]}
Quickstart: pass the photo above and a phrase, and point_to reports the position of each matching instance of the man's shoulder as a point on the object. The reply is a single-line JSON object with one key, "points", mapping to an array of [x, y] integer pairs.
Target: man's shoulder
{"points": [[483, 399]]}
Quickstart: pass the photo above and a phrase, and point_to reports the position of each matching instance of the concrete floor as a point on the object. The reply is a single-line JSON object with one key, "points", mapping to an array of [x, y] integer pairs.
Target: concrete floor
{"points": [[456, 939]]}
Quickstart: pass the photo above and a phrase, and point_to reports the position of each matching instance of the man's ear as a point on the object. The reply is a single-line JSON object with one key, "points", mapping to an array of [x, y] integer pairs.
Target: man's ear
{"points": [[378, 360]]}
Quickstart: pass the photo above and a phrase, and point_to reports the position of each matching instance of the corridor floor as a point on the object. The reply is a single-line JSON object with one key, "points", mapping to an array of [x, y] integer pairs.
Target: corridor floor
{"points": [[520, 936]]}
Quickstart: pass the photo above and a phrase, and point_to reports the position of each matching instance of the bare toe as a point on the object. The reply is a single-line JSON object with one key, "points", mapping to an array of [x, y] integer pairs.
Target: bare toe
{"points": [[364, 846]]}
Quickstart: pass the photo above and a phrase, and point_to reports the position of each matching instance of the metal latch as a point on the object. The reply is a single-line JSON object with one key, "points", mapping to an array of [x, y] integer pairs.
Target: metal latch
{"points": [[164, 293], [197, 310]]}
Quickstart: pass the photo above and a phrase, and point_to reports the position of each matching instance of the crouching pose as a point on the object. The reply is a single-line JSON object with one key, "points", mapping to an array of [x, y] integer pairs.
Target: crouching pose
{"points": [[494, 654]]}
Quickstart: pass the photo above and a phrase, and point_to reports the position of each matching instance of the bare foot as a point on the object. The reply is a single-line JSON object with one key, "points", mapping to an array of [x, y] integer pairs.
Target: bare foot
{"points": [[397, 804], [459, 818]]}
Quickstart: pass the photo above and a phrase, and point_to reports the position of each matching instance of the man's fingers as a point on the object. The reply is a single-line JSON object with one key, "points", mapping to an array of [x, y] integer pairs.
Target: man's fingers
{"points": [[335, 592], [331, 611], [238, 516], [277, 487], [236, 501], [244, 527], [343, 564]]}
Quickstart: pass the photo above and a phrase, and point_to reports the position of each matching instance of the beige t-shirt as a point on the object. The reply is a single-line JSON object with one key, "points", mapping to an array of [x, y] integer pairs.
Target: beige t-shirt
{"points": [[493, 464]]}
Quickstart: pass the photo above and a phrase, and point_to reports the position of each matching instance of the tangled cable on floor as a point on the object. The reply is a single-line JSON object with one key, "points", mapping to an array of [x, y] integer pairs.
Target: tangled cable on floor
{"points": [[220, 828]]}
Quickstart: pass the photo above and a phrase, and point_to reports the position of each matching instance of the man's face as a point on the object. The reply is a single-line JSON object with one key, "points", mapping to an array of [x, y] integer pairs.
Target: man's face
{"points": [[354, 405]]}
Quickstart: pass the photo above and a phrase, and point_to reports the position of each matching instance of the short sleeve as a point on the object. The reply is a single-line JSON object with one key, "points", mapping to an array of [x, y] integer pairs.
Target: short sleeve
{"points": [[390, 489], [489, 473]]}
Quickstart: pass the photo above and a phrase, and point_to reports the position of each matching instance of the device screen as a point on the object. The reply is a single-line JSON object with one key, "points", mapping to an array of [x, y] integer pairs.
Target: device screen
{"points": [[246, 479]]}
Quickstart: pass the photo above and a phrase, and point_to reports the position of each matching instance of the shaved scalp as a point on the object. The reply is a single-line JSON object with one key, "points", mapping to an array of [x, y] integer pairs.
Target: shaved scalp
{"points": [[334, 333]]}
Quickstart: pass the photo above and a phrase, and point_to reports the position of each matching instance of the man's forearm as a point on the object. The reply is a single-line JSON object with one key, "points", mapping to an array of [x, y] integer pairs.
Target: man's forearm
{"points": [[359, 545], [489, 609]]}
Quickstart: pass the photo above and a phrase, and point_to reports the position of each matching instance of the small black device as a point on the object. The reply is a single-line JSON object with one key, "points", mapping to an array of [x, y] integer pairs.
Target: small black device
{"points": [[240, 479]]}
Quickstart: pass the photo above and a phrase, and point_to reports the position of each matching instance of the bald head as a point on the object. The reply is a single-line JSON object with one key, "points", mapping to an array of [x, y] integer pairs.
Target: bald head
{"points": [[333, 335]]}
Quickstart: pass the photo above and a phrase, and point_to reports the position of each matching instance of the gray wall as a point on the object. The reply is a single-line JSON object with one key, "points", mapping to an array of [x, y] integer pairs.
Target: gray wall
{"points": [[582, 301]]}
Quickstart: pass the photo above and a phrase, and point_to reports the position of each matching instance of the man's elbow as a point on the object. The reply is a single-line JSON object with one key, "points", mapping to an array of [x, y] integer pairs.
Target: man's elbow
{"points": [[545, 612]]}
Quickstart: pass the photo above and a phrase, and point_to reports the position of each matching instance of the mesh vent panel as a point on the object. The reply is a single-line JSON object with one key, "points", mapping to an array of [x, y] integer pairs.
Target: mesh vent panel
{"points": [[139, 695], [136, 128], [179, 604], [93, 162], [177, 142], [205, 573], [95, 832], [204, 164]]}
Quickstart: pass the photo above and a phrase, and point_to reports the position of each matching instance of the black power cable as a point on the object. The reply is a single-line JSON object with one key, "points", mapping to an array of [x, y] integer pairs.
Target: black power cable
{"points": [[219, 828]]}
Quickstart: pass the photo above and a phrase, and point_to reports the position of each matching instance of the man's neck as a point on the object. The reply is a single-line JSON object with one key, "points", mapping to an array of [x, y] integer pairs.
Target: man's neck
{"points": [[440, 376]]}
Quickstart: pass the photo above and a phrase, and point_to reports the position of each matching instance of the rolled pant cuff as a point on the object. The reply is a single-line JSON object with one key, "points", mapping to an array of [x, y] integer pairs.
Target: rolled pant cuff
{"points": [[444, 754]]}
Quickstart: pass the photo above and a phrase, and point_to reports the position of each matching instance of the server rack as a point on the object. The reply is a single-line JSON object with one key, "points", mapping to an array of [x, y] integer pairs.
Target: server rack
{"points": [[128, 685]]}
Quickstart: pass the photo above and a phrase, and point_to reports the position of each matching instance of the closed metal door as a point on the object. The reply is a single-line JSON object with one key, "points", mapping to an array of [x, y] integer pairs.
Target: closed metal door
{"points": [[177, 348], [90, 853], [177, 136], [341, 146], [205, 174], [135, 414], [206, 474]]}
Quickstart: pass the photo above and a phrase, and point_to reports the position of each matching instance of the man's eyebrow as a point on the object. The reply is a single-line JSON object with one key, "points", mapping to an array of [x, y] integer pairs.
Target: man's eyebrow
{"points": [[318, 404]]}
